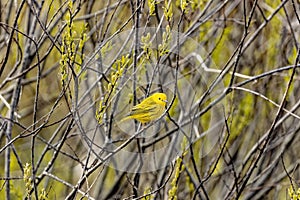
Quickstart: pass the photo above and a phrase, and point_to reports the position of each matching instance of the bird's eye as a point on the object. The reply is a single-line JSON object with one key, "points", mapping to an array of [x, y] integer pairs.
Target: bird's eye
{"points": [[159, 98]]}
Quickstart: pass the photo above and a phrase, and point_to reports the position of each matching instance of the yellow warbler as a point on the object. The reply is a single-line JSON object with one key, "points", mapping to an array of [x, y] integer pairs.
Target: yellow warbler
{"points": [[149, 109]]}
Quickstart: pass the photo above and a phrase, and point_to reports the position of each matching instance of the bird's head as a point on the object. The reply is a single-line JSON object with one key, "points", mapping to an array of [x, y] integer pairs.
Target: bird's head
{"points": [[160, 98]]}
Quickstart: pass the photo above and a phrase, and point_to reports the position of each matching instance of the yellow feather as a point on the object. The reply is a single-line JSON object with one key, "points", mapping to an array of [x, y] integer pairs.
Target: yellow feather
{"points": [[149, 109]]}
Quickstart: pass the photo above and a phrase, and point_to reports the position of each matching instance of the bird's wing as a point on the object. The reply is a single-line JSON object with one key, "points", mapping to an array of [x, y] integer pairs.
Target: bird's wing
{"points": [[143, 109]]}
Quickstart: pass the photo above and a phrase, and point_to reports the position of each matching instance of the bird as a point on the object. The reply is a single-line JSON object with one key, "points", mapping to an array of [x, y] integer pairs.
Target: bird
{"points": [[149, 109]]}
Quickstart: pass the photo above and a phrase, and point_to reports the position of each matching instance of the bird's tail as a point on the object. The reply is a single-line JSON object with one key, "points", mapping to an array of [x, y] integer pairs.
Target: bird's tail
{"points": [[125, 119]]}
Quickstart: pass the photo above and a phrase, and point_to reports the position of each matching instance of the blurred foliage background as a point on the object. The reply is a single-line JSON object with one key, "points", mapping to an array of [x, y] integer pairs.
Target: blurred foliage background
{"points": [[68, 76]]}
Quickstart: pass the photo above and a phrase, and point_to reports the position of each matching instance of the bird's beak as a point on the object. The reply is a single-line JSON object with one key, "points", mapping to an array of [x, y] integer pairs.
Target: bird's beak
{"points": [[166, 101]]}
